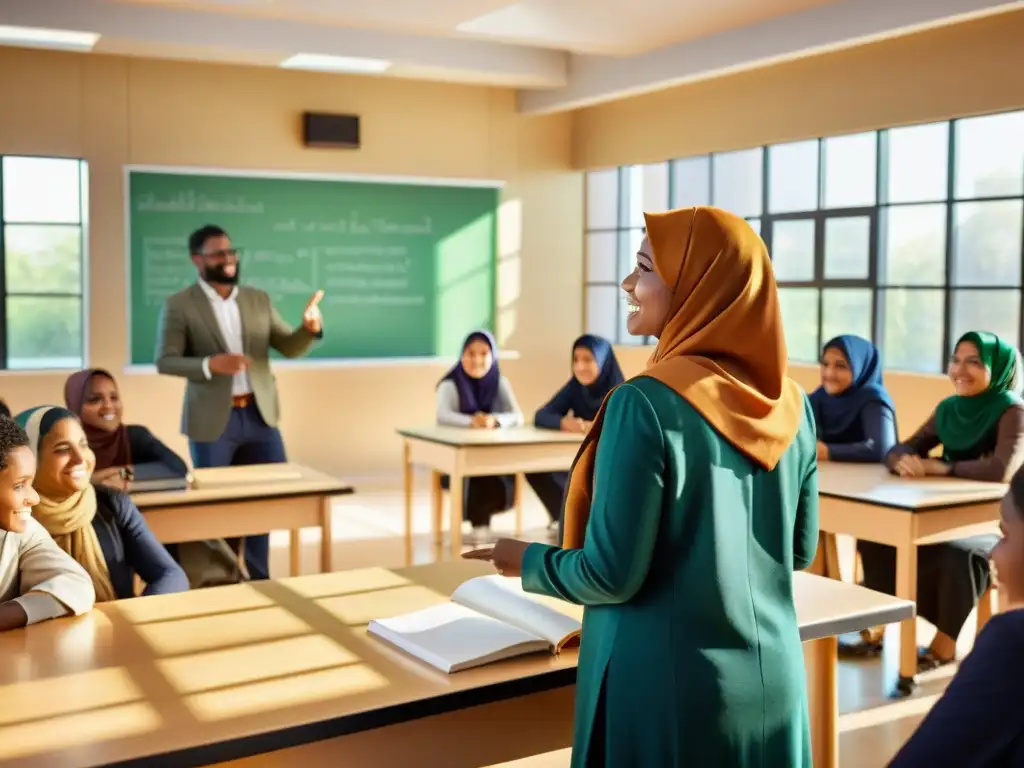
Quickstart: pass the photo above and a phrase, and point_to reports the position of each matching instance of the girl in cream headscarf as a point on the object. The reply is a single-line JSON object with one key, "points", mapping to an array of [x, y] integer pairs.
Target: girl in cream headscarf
{"points": [[690, 504]]}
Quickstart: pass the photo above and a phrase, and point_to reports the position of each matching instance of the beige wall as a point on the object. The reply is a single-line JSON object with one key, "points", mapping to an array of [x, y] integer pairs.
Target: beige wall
{"points": [[953, 71], [115, 111]]}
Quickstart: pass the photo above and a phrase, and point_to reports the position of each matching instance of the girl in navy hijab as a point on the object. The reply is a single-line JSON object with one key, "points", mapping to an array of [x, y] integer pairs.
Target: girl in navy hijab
{"points": [[595, 373], [474, 394], [854, 414]]}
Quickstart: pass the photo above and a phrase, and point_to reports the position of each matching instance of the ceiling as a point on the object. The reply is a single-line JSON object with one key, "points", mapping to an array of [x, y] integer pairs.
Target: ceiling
{"points": [[561, 54]]}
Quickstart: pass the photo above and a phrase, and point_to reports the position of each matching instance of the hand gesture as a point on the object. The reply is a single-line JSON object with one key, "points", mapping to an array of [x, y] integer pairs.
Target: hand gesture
{"points": [[228, 364], [506, 556], [312, 320]]}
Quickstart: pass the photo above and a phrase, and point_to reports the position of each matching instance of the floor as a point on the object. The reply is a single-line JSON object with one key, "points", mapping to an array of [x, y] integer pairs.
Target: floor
{"points": [[368, 532]]}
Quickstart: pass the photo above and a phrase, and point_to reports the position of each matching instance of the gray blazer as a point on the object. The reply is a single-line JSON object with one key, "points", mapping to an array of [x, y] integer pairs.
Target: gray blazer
{"points": [[188, 333]]}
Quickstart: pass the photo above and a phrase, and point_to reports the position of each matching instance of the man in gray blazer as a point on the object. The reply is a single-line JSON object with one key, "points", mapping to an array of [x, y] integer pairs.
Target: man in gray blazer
{"points": [[218, 336]]}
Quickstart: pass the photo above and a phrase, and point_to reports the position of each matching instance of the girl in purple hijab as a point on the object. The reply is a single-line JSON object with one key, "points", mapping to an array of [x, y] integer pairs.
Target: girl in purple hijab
{"points": [[474, 394]]}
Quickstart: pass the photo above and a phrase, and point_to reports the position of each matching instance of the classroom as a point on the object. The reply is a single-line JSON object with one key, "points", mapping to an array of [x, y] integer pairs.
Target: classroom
{"points": [[877, 150]]}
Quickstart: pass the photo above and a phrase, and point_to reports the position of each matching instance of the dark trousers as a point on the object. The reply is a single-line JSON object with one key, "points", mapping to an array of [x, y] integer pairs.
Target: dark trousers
{"points": [[950, 577], [550, 489], [484, 497], [246, 440]]}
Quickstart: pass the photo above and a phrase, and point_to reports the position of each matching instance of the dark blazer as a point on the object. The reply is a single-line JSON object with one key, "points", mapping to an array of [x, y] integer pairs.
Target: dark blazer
{"points": [[189, 332], [130, 548], [151, 458], [978, 722]]}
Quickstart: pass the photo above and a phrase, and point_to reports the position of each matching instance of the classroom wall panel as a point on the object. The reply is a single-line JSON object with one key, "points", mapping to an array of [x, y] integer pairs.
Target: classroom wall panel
{"points": [[113, 111]]}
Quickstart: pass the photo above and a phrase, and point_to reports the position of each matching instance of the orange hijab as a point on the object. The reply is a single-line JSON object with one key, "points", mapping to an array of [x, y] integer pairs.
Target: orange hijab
{"points": [[722, 349]]}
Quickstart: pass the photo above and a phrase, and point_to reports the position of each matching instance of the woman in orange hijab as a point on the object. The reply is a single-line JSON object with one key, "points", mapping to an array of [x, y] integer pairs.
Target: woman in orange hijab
{"points": [[690, 504]]}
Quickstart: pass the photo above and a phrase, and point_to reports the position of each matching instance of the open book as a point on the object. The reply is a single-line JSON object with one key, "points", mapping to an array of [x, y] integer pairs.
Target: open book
{"points": [[488, 619]]}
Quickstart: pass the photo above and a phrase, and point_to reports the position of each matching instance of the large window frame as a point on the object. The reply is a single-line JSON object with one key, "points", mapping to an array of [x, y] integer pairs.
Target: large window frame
{"points": [[77, 226], [875, 282]]}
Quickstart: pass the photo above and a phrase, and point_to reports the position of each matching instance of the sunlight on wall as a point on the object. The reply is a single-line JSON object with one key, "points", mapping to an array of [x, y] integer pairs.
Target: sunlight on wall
{"points": [[465, 284], [510, 242]]}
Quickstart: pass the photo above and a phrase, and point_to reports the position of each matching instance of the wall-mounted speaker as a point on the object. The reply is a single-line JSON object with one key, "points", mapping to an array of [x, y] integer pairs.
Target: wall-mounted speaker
{"points": [[324, 130]]}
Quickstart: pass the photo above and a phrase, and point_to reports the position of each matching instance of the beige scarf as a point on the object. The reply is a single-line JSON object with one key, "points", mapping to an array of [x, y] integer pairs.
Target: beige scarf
{"points": [[69, 522]]}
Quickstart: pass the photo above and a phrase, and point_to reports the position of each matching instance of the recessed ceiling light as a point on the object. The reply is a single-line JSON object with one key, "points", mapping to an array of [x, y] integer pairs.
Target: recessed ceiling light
{"points": [[335, 63], [36, 37]]}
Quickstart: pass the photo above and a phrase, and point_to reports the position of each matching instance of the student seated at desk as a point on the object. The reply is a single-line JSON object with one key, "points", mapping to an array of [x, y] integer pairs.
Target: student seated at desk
{"points": [[981, 431], [853, 412], [38, 580], [98, 526], [595, 373], [123, 451], [976, 723], [474, 394]]}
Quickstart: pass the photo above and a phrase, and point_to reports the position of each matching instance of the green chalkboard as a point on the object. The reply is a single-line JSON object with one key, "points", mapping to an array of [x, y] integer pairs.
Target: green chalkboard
{"points": [[407, 269]]}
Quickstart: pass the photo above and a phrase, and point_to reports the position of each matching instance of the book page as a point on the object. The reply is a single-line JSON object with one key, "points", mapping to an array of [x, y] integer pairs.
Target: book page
{"points": [[453, 637], [555, 620]]}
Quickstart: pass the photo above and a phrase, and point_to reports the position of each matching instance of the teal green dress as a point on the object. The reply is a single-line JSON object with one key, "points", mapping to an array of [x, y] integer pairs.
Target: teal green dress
{"points": [[690, 651]]}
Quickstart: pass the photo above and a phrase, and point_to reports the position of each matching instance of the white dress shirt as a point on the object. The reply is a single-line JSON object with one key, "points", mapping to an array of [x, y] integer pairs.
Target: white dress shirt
{"points": [[229, 319]]}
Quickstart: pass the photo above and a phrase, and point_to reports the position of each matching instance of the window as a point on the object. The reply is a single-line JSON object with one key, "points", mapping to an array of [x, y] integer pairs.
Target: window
{"points": [[908, 236], [42, 248]]}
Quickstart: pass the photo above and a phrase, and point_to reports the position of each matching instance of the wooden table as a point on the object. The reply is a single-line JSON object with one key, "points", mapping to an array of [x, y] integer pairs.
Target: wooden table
{"points": [[282, 674], [245, 501], [867, 502], [461, 453]]}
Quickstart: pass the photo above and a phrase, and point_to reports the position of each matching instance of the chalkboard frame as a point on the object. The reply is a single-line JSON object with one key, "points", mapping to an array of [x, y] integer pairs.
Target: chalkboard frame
{"points": [[249, 173]]}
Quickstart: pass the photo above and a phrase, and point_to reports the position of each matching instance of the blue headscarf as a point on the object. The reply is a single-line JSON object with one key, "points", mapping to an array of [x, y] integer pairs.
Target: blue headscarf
{"points": [[586, 400], [476, 395], [834, 414]]}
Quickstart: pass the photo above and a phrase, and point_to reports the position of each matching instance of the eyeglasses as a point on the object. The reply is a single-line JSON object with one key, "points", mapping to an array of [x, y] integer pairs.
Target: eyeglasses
{"points": [[225, 253]]}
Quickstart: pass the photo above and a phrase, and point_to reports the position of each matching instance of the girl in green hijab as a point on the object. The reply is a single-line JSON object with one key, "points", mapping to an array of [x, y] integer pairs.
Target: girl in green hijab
{"points": [[981, 432]]}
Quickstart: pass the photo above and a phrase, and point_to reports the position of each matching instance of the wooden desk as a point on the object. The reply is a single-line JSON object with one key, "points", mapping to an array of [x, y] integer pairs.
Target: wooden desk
{"points": [[462, 453], [245, 501], [282, 674], [868, 502]]}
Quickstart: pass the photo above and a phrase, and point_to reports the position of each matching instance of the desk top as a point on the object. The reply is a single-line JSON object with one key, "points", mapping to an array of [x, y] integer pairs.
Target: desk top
{"points": [[462, 437], [220, 485], [218, 674], [874, 484]]}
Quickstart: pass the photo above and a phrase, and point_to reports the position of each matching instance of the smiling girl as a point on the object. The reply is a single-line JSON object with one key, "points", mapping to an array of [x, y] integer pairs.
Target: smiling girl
{"points": [[124, 452], [98, 526], [981, 431], [38, 580]]}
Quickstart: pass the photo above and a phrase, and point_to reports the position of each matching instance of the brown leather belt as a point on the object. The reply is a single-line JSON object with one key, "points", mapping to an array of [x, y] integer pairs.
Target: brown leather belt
{"points": [[241, 401]]}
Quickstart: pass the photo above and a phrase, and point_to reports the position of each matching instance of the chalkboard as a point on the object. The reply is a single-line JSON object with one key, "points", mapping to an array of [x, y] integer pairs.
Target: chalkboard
{"points": [[407, 269]]}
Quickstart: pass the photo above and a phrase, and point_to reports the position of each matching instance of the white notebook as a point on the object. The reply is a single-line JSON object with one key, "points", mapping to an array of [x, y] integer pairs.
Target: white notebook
{"points": [[488, 619]]}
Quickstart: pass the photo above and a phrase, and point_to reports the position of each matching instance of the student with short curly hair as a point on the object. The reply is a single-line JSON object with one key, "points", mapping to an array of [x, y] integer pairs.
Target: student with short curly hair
{"points": [[40, 581]]}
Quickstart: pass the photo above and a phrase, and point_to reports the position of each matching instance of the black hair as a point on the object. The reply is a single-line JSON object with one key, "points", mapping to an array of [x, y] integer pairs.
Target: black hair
{"points": [[4, 410], [11, 436], [1017, 491], [198, 239]]}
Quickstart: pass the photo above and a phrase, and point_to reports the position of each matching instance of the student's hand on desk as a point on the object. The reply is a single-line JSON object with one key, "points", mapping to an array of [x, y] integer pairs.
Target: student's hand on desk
{"points": [[822, 451], [113, 477], [12, 616], [572, 423], [228, 363], [914, 466], [506, 556], [312, 320], [483, 421]]}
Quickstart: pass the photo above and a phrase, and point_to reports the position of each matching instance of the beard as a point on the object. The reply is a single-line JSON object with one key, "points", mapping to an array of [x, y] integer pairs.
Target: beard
{"points": [[216, 274]]}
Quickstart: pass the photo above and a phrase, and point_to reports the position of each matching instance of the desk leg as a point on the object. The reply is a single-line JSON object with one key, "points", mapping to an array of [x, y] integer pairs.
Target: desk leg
{"points": [[826, 559], [407, 483], [295, 551], [455, 497], [326, 534], [437, 510], [519, 503], [821, 666], [906, 587]]}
